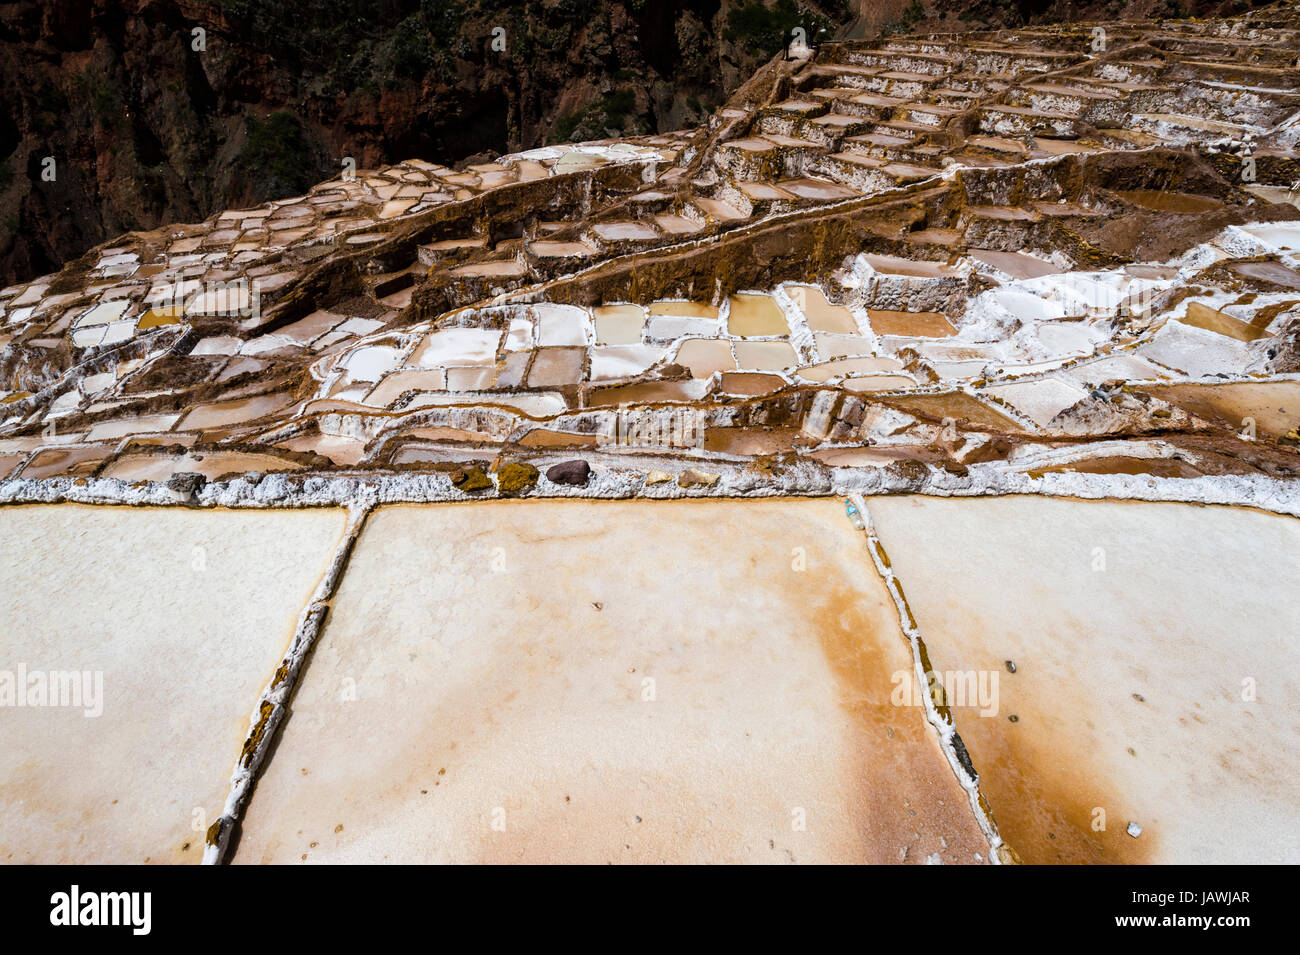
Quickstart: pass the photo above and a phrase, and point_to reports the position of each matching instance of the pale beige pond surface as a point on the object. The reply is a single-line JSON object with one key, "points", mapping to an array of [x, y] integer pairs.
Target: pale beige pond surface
{"points": [[185, 614], [609, 682], [1156, 669]]}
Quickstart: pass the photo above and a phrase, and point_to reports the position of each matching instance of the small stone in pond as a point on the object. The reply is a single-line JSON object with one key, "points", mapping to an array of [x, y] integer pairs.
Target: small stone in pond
{"points": [[471, 479], [1011, 666], [516, 476], [694, 478], [185, 484], [1013, 718], [576, 473], [1134, 830]]}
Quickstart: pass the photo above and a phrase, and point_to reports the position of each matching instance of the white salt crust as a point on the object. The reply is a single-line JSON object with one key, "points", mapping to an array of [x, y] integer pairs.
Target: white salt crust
{"points": [[803, 480]]}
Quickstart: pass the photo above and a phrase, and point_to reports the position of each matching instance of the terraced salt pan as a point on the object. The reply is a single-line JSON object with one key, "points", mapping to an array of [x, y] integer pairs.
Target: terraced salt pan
{"points": [[561, 325], [1199, 315], [556, 367], [822, 315], [1125, 366], [399, 383], [683, 309], [922, 324], [477, 378], [756, 315], [765, 356], [212, 465], [186, 614], [237, 411], [501, 678], [1274, 273], [957, 405], [865, 383], [704, 356], [1195, 351], [104, 313], [622, 361], [1015, 265], [848, 366], [619, 324], [667, 328], [1040, 400], [1273, 406], [455, 346], [840, 346], [1133, 629]]}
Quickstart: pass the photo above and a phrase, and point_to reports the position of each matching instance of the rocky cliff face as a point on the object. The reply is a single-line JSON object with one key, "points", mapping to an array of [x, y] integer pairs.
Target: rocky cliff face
{"points": [[122, 115], [158, 111], [872, 17]]}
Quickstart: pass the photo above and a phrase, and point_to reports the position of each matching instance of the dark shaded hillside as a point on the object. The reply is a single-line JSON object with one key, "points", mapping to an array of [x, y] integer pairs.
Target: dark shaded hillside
{"points": [[147, 124], [148, 121]]}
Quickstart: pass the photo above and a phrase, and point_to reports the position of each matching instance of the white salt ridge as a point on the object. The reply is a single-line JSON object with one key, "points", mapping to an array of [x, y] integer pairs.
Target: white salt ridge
{"points": [[945, 730], [805, 478], [1030, 457], [801, 336]]}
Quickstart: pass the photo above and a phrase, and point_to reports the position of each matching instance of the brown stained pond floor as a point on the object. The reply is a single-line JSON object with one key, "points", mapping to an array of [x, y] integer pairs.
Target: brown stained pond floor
{"points": [[1154, 681], [609, 682], [691, 681], [756, 315]]}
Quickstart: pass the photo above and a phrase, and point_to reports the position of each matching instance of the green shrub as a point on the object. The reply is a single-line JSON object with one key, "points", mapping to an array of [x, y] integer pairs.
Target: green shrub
{"points": [[566, 124], [611, 111], [763, 30], [276, 156]]}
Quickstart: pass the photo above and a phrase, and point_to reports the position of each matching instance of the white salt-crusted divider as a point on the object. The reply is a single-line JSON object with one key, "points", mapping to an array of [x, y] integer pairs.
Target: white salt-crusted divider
{"points": [[273, 705], [801, 336], [953, 748], [804, 479]]}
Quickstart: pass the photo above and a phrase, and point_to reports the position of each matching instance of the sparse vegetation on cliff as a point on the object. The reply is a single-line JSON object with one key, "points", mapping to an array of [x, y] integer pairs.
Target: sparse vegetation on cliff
{"points": [[276, 155]]}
